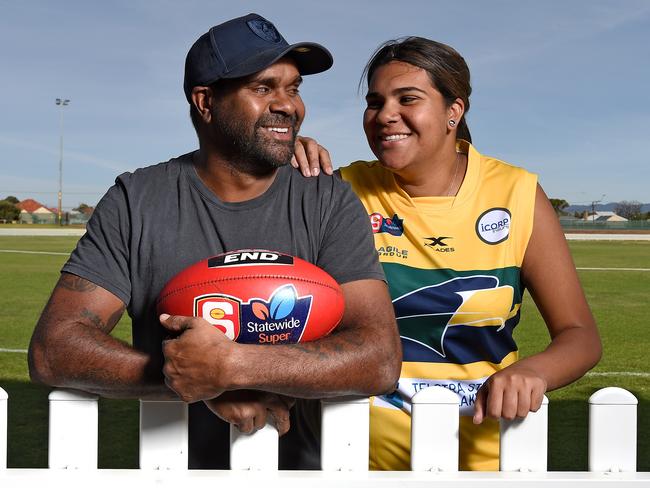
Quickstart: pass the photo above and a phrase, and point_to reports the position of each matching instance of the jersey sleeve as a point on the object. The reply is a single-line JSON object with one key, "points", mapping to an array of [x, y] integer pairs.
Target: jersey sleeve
{"points": [[102, 254], [347, 250]]}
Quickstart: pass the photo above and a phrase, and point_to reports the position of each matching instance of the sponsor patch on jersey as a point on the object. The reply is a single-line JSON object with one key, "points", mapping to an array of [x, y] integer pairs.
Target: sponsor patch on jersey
{"points": [[279, 320], [392, 252], [493, 225], [407, 387], [439, 244], [380, 224]]}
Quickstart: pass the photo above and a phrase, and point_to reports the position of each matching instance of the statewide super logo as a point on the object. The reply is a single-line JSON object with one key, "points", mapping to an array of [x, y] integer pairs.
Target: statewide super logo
{"points": [[279, 320], [493, 226], [393, 226]]}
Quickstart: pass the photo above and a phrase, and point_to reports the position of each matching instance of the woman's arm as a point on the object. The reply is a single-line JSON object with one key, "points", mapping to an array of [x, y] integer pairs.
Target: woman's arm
{"points": [[550, 275]]}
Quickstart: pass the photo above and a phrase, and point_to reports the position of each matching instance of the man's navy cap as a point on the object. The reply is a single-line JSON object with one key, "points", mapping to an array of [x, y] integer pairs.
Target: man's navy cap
{"points": [[243, 46]]}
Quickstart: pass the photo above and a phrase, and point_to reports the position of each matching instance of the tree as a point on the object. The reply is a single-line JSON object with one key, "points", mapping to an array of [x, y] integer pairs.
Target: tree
{"points": [[84, 208], [12, 199], [559, 205], [8, 211], [631, 210]]}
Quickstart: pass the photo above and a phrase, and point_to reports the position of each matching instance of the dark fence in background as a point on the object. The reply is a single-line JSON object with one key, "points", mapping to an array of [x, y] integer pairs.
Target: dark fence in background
{"points": [[586, 226]]}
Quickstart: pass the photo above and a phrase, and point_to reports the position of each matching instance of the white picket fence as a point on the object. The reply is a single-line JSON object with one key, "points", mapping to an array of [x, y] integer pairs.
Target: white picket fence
{"points": [[73, 444]]}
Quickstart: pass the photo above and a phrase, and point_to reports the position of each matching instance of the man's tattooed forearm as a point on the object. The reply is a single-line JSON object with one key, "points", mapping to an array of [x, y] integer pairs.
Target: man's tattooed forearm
{"points": [[75, 283], [313, 348], [96, 320], [93, 318], [338, 344], [352, 339]]}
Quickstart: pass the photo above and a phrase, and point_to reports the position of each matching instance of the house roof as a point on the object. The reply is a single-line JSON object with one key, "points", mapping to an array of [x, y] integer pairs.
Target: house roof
{"points": [[30, 206]]}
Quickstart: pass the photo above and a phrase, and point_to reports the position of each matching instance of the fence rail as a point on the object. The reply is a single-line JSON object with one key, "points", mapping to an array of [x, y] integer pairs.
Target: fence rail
{"points": [[586, 225], [73, 439]]}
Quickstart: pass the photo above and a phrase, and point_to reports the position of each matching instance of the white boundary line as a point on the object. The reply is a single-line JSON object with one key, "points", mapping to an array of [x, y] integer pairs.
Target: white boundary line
{"points": [[613, 269], [637, 374], [67, 254], [36, 252], [606, 237], [66, 232], [640, 374]]}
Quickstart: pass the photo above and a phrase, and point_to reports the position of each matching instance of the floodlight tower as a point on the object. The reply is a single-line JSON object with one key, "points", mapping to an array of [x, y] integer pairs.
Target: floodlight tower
{"points": [[593, 207], [61, 102]]}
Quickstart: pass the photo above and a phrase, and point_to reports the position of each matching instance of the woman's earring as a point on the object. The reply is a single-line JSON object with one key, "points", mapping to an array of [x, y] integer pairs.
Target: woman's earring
{"points": [[452, 123]]}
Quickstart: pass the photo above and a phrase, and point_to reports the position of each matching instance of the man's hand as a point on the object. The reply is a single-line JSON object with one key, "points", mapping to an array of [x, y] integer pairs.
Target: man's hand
{"points": [[309, 157], [196, 361], [248, 410], [510, 393]]}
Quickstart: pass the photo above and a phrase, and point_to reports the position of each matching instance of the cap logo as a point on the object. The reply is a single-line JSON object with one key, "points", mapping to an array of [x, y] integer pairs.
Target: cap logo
{"points": [[264, 30]]}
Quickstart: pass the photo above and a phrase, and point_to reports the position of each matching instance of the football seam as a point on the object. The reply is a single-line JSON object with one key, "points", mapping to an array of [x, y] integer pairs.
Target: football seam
{"points": [[233, 278]]}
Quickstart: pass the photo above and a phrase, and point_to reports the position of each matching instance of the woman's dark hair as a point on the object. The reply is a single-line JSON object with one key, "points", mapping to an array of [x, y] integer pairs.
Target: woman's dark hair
{"points": [[446, 67]]}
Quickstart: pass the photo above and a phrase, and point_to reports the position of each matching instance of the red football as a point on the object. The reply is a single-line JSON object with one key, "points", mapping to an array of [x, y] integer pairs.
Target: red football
{"points": [[257, 296]]}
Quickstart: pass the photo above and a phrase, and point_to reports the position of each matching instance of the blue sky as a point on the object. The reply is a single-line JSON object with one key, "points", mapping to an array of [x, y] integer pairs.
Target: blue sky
{"points": [[560, 87]]}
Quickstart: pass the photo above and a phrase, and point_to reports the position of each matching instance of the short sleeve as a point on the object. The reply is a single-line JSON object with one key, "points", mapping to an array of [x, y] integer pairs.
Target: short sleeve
{"points": [[348, 251], [102, 254]]}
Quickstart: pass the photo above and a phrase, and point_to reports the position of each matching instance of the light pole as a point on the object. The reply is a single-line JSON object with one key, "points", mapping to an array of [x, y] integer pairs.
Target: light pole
{"points": [[593, 207], [61, 102]]}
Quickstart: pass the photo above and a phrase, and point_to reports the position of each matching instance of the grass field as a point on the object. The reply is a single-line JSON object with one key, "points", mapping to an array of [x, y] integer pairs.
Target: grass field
{"points": [[618, 299]]}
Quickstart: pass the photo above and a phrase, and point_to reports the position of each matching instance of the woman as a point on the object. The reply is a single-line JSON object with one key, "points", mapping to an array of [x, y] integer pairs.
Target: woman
{"points": [[460, 236]]}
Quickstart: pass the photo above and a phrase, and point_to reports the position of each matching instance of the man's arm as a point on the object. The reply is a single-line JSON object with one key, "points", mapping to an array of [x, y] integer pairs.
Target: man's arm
{"points": [[362, 356], [71, 345]]}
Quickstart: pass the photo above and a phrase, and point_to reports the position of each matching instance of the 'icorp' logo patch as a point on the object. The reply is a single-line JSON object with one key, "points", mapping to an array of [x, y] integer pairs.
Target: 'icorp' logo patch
{"points": [[493, 226]]}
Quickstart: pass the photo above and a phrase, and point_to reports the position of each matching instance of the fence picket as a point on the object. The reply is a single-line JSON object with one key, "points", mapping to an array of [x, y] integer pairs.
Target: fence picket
{"points": [[254, 452], [3, 429], [612, 430], [434, 430], [163, 435], [345, 431], [73, 430], [524, 442]]}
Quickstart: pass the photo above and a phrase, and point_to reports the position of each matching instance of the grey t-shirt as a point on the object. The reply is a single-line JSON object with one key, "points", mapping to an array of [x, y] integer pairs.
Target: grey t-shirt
{"points": [[158, 220]]}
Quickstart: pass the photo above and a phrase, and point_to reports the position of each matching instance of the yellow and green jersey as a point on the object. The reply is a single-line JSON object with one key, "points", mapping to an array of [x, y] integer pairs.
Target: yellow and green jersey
{"points": [[453, 269]]}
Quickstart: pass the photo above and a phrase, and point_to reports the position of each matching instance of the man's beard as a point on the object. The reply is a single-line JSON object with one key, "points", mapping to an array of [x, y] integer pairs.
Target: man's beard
{"points": [[250, 152]]}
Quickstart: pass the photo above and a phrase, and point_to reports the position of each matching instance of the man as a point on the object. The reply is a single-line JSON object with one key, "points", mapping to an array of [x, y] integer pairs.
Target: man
{"points": [[237, 191]]}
